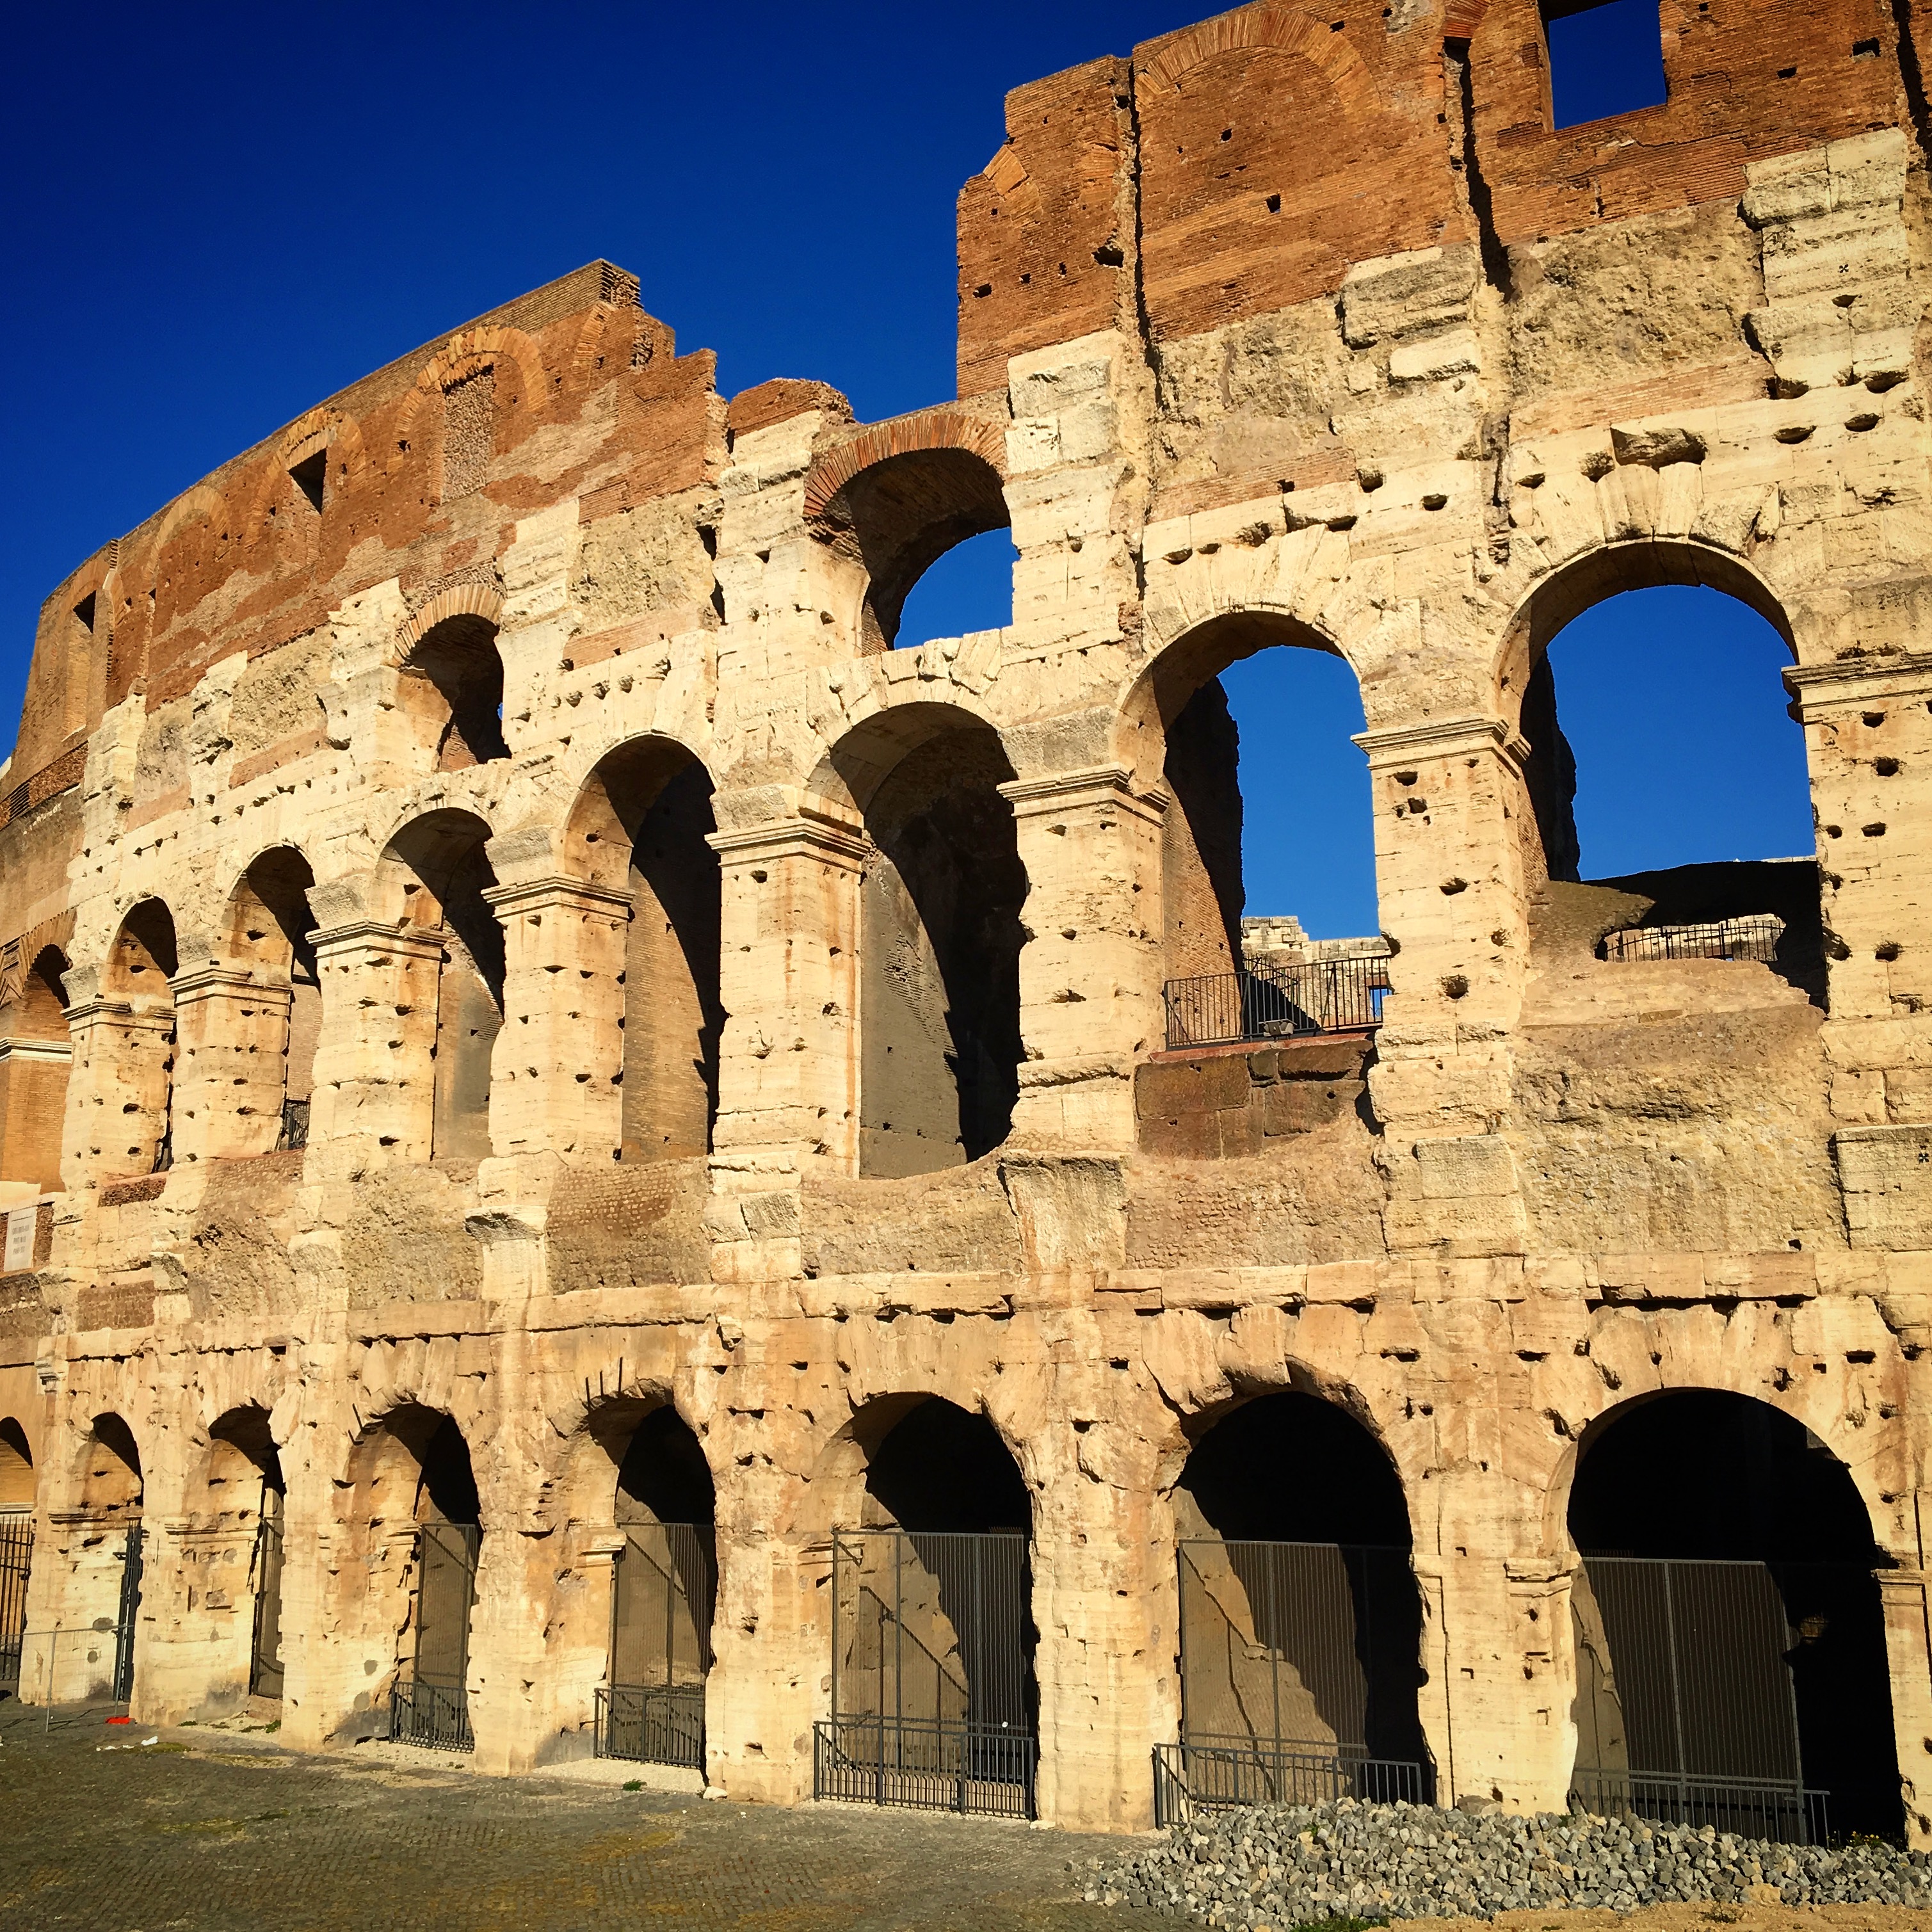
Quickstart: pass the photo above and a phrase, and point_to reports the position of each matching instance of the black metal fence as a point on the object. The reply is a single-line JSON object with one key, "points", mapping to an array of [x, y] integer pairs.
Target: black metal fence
{"points": [[265, 1655], [1298, 1667], [1190, 1778], [128, 1616], [1786, 1813], [1263, 1002], [16, 1557], [663, 1585], [1685, 1707], [932, 1692], [295, 1126], [429, 1705], [1754, 937]]}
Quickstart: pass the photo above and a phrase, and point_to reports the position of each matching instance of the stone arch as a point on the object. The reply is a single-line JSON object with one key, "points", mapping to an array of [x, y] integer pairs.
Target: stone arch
{"points": [[145, 954], [36, 1055], [16, 1469], [435, 875], [1174, 729], [1280, 29], [941, 896], [232, 1556], [451, 680], [894, 498], [471, 352], [1714, 1524], [130, 1042], [641, 827]]}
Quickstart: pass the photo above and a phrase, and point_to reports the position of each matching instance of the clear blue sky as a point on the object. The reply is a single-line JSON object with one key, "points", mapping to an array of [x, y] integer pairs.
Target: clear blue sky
{"points": [[218, 215]]}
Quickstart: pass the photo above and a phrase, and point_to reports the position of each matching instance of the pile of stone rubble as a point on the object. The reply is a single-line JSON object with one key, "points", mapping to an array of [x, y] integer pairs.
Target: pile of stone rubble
{"points": [[1281, 1866]]}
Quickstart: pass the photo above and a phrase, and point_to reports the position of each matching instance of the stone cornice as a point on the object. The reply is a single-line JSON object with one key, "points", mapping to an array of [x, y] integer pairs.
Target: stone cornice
{"points": [[812, 834], [528, 896], [1102, 785], [379, 937], [1821, 690], [1443, 739]]}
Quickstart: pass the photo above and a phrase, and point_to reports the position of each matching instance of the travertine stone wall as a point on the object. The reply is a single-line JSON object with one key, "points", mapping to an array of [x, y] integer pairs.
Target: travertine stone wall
{"points": [[1287, 330]]}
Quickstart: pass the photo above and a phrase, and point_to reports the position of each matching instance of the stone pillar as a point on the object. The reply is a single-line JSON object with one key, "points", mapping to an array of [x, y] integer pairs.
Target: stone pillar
{"points": [[788, 1071], [1908, 1645], [1450, 882], [1091, 970], [118, 1092], [231, 1063], [375, 1069], [34, 1077], [557, 1067]]}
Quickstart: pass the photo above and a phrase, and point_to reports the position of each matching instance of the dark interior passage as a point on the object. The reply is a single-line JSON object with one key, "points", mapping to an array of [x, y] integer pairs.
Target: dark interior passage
{"points": [[940, 1469], [1301, 1623], [1707, 1478], [940, 960]]}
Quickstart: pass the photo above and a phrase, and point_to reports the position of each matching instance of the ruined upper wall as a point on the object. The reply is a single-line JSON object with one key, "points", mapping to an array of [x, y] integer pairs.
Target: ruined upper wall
{"points": [[1245, 165]]}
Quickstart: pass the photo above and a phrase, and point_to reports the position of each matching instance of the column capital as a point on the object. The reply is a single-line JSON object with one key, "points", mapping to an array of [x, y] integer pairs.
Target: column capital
{"points": [[49, 1050], [529, 896], [1819, 691], [1442, 738], [818, 830], [424, 941], [202, 982], [1107, 786]]}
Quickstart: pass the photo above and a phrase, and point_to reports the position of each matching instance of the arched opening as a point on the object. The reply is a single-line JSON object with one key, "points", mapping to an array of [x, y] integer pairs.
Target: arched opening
{"points": [[270, 924], [446, 872], [934, 1699], [35, 1057], [106, 1554], [452, 684], [1300, 1621], [663, 1588], [897, 517], [941, 935], [17, 1547], [1669, 791], [1730, 1643], [969, 588], [641, 827], [143, 960], [415, 1480], [237, 1551], [1270, 925]]}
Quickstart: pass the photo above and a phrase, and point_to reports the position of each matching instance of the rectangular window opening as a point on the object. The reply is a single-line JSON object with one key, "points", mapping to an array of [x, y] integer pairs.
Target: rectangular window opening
{"points": [[309, 475], [1606, 57]]}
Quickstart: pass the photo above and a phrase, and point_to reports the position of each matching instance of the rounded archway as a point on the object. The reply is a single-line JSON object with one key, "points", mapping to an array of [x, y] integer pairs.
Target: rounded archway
{"points": [[270, 1069], [1730, 1638], [35, 1055], [452, 685], [16, 1546], [138, 1137], [237, 1556], [1300, 1621], [932, 1635], [105, 1553], [940, 933]]}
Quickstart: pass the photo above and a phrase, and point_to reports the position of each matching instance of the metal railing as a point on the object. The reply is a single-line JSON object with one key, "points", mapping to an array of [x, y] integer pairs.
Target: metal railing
{"points": [[1754, 937], [16, 1557], [1258, 1003], [294, 1126], [1188, 1777], [924, 1765], [436, 1716], [1788, 1814], [653, 1725]]}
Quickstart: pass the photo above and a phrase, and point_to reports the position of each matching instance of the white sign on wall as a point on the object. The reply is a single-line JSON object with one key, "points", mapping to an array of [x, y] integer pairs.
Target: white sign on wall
{"points": [[20, 1224]]}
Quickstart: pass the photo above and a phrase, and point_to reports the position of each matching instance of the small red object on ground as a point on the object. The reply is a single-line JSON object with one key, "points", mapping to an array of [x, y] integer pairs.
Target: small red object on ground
{"points": [[120, 1720]]}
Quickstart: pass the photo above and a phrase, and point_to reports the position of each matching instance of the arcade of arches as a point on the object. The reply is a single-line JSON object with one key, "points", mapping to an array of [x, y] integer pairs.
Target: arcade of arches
{"points": [[605, 1148]]}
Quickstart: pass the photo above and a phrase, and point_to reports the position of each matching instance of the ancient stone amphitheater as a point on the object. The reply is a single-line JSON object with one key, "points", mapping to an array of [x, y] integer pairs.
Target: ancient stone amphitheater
{"points": [[605, 1153]]}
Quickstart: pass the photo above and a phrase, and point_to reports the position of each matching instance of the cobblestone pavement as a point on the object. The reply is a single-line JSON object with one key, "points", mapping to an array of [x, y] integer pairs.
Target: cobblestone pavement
{"points": [[206, 1831]]}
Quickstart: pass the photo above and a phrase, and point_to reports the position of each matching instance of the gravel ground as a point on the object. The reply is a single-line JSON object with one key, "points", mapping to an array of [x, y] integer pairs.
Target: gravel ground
{"points": [[1279, 1868]]}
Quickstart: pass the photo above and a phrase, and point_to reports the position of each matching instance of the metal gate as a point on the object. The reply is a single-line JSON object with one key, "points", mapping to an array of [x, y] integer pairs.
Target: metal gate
{"points": [[16, 1556], [663, 1587], [1297, 1661], [430, 1705], [1684, 1708], [128, 1615], [932, 1697], [265, 1657]]}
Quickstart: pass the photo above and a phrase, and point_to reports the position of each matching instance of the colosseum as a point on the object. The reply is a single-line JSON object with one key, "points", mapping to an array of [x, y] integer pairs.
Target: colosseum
{"points": [[605, 1155]]}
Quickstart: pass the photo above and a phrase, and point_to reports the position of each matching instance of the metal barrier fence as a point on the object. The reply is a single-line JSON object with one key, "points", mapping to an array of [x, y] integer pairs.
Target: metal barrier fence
{"points": [[925, 1766], [931, 1681], [663, 1584], [1786, 1813], [1188, 1777], [1754, 937], [132, 1563], [265, 1650], [294, 1126], [661, 1726], [1258, 1003], [16, 1557], [430, 1706], [436, 1716]]}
